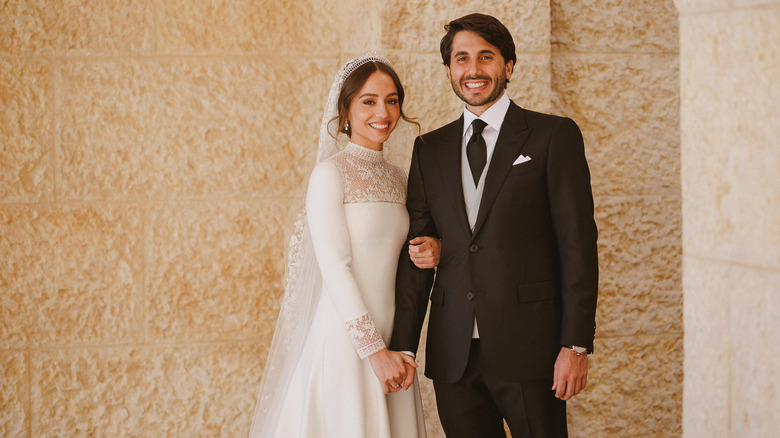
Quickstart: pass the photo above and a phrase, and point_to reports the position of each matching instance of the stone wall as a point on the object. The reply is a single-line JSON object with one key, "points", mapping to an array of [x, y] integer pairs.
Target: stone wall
{"points": [[730, 92], [615, 70], [150, 151]]}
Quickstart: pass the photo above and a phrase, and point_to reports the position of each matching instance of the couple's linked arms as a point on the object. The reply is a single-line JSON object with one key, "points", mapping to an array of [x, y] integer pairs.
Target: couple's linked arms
{"points": [[333, 249]]}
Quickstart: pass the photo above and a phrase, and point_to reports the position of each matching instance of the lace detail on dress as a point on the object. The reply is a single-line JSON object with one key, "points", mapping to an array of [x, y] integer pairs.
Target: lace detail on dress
{"points": [[364, 336], [368, 177]]}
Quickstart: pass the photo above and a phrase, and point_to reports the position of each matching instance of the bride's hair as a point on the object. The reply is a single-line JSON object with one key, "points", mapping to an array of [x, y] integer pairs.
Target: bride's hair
{"points": [[355, 81]]}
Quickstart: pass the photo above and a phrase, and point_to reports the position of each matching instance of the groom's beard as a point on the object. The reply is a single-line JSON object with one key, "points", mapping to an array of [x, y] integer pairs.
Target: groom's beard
{"points": [[499, 84]]}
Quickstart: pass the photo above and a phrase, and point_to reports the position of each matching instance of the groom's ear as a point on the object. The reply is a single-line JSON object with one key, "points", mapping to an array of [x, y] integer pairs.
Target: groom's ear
{"points": [[510, 67], [449, 76]]}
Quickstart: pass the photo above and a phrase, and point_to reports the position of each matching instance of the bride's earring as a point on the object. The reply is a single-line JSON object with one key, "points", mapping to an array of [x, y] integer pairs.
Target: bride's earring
{"points": [[346, 126]]}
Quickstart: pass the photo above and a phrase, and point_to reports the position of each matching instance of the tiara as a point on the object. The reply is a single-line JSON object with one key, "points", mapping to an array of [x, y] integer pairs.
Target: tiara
{"points": [[351, 66]]}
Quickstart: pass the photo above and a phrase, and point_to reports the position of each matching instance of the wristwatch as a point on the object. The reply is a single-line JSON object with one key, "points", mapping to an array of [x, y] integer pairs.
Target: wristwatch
{"points": [[577, 350]]}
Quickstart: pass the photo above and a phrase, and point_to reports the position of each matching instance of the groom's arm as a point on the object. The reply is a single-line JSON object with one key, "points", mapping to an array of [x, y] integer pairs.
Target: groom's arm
{"points": [[413, 284], [571, 205]]}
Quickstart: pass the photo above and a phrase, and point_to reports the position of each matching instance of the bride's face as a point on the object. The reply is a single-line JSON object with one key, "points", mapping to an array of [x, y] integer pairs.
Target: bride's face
{"points": [[374, 111]]}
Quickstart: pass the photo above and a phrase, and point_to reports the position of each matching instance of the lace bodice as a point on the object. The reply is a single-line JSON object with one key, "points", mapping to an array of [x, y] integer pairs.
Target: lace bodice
{"points": [[368, 177]]}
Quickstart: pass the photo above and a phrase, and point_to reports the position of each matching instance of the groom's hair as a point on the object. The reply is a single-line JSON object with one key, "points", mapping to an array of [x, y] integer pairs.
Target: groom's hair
{"points": [[489, 28]]}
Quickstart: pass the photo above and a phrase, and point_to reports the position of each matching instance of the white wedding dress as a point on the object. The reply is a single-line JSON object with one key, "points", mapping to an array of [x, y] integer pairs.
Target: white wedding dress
{"points": [[357, 216]]}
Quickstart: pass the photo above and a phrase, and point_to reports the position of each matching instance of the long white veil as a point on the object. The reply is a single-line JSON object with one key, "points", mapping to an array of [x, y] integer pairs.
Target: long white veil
{"points": [[302, 280]]}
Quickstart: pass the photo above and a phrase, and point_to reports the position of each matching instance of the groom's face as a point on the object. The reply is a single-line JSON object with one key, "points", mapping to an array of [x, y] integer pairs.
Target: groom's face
{"points": [[477, 71]]}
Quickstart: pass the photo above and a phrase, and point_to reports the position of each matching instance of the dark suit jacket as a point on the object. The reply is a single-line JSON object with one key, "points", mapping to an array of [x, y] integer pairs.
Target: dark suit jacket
{"points": [[529, 271]]}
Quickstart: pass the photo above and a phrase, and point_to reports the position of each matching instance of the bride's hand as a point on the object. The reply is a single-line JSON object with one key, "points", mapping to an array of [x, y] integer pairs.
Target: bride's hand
{"points": [[425, 252], [391, 368]]}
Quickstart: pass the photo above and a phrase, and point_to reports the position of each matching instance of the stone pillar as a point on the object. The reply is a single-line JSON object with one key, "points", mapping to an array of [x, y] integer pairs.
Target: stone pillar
{"points": [[730, 91], [615, 72]]}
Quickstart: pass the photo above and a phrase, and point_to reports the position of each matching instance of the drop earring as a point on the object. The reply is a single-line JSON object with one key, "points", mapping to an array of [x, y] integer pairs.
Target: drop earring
{"points": [[346, 126]]}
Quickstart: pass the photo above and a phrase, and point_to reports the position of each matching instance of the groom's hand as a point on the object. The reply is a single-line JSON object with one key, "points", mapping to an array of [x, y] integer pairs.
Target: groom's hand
{"points": [[425, 252], [571, 374]]}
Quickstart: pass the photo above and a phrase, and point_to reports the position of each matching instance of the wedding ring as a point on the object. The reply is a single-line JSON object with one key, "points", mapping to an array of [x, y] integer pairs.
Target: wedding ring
{"points": [[395, 386]]}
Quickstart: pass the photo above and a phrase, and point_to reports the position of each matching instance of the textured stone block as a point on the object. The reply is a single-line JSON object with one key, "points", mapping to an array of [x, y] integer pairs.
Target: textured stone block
{"points": [[730, 151], [634, 389], [192, 390], [731, 309], [214, 269], [26, 246], [74, 274], [189, 128], [14, 401], [628, 109], [98, 256], [247, 26], [755, 333], [26, 132], [691, 7], [105, 129], [640, 261], [706, 385], [76, 27], [419, 25], [638, 26]]}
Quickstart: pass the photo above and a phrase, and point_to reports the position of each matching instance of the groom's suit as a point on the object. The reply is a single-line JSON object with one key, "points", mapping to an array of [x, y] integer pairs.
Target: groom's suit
{"points": [[528, 272]]}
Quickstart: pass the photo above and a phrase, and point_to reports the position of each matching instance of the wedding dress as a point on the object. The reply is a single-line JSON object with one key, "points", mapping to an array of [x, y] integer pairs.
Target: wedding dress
{"points": [[355, 207]]}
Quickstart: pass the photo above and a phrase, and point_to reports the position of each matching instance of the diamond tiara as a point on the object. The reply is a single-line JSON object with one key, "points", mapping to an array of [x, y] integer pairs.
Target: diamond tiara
{"points": [[351, 66]]}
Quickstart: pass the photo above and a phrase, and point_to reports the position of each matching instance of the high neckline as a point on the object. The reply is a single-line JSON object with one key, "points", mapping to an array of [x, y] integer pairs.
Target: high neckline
{"points": [[364, 153]]}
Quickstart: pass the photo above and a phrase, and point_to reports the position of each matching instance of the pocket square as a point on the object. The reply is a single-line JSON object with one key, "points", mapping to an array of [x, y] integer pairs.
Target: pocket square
{"points": [[521, 159]]}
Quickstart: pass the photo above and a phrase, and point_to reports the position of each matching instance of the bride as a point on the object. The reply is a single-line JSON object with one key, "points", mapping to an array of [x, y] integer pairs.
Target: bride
{"points": [[329, 372]]}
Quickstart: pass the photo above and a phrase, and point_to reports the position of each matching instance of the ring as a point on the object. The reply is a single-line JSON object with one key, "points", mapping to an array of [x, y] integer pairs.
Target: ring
{"points": [[395, 386]]}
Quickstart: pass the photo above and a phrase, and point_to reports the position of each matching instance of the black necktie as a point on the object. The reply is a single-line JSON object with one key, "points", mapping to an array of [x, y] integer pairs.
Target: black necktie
{"points": [[476, 149]]}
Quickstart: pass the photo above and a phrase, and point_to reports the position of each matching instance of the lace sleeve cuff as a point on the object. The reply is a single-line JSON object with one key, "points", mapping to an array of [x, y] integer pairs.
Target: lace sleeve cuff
{"points": [[364, 335]]}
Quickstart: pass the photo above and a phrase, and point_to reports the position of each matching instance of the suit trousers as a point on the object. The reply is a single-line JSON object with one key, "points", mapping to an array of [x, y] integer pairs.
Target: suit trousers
{"points": [[477, 405]]}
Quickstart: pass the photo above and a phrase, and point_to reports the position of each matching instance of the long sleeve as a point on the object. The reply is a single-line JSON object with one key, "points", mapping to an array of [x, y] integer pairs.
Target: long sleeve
{"points": [[333, 249], [571, 204]]}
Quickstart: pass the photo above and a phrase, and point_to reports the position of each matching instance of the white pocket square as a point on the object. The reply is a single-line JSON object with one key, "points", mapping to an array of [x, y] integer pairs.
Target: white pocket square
{"points": [[521, 159]]}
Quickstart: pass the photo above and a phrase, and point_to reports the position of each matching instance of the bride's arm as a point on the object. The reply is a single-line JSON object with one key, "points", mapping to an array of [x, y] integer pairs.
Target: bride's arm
{"points": [[333, 249]]}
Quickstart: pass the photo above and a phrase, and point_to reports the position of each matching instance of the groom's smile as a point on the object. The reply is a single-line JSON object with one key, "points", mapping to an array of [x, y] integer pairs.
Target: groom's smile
{"points": [[477, 71]]}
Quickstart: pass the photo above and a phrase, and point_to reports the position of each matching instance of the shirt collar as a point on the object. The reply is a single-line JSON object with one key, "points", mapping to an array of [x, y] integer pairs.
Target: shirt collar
{"points": [[493, 116]]}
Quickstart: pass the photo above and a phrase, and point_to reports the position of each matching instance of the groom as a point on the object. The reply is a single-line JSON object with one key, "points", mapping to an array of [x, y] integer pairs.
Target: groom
{"points": [[513, 306]]}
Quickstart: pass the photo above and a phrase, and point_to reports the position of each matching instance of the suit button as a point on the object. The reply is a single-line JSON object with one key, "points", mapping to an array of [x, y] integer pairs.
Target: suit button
{"points": [[469, 296], [474, 248]]}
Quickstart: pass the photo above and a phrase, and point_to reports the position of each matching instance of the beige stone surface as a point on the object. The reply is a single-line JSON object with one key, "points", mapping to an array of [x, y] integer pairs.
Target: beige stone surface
{"points": [[188, 128], [706, 309], [76, 27], [14, 400], [731, 156], [633, 389], [627, 107], [27, 259], [634, 26], [733, 309], [419, 25], [26, 131], [213, 269], [74, 275], [222, 27], [182, 390], [689, 7], [731, 205], [640, 260]]}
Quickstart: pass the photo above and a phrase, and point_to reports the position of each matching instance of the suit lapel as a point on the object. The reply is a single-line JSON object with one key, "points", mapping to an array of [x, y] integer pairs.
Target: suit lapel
{"points": [[450, 164], [514, 133]]}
